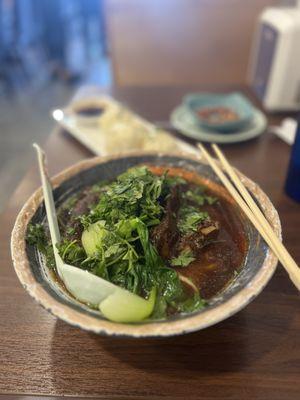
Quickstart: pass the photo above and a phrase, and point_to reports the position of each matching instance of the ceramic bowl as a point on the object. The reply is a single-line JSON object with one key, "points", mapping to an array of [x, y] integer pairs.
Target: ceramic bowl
{"points": [[234, 101], [259, 265]]}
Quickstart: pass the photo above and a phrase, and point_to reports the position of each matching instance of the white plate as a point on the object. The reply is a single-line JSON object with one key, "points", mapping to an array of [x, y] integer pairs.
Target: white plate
{"points": [[182, 120]]}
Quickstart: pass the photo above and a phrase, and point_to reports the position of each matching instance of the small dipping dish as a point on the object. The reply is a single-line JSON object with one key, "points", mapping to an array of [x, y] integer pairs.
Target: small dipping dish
{"points": [[87, 111], [220, 112]]}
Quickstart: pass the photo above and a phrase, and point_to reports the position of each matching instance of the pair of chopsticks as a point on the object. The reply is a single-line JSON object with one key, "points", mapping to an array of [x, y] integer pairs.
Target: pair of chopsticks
{"points": [[243, 198]]}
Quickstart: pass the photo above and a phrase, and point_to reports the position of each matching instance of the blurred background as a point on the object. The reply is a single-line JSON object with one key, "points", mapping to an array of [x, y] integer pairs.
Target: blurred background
{"points": [[48, 48]]}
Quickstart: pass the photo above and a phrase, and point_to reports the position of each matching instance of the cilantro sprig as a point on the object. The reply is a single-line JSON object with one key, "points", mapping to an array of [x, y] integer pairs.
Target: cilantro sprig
{"points": [[189, 219], [184, 259], [134, 193], [199, 197]]}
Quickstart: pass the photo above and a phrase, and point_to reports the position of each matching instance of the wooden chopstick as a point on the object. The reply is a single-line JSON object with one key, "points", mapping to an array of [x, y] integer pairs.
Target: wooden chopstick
{"points": [[279, 247], [247, 204]]}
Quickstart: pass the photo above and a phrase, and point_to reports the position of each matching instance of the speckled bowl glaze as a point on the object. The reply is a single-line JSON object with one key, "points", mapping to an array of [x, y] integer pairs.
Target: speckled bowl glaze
{"points": [[32, 272]]}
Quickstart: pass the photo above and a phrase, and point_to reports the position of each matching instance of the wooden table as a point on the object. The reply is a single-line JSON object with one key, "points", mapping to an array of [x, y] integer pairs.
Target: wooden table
{"points": [[252, 355]]}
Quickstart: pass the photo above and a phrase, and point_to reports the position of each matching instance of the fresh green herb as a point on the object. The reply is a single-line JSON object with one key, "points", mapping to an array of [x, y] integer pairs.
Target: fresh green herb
{"points": [[211, 200], [98, 187], [192, 304], [184, 259], [49, 255], [175, 180], [176, 298], [135, 193], [189, 219], [70, 231], [199, 197], [124, 253], [36, 236], [71, 252]]}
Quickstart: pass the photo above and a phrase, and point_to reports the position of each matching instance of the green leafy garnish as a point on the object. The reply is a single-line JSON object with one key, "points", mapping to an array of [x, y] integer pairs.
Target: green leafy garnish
{"points": [[189, 219], [199, 197], [192, 304], [98, 187], [70, 231], [134, 194], [36, 236], [184, 259], [71, 252], [175, 180]]}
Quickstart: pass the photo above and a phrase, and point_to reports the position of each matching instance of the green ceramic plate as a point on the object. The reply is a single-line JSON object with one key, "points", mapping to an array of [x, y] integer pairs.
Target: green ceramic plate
{"points": [[182, 119]]}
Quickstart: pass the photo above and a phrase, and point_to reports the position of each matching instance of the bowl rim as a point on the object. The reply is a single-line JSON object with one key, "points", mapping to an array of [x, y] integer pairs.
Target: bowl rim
{"points": [[151, 329]]}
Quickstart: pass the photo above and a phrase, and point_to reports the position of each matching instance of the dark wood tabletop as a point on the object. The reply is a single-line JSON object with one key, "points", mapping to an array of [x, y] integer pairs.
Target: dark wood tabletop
{"points": [[253, 355]]}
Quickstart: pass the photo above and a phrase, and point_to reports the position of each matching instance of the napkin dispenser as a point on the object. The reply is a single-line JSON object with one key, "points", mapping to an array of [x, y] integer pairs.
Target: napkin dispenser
{"points": [[275, 63]]}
